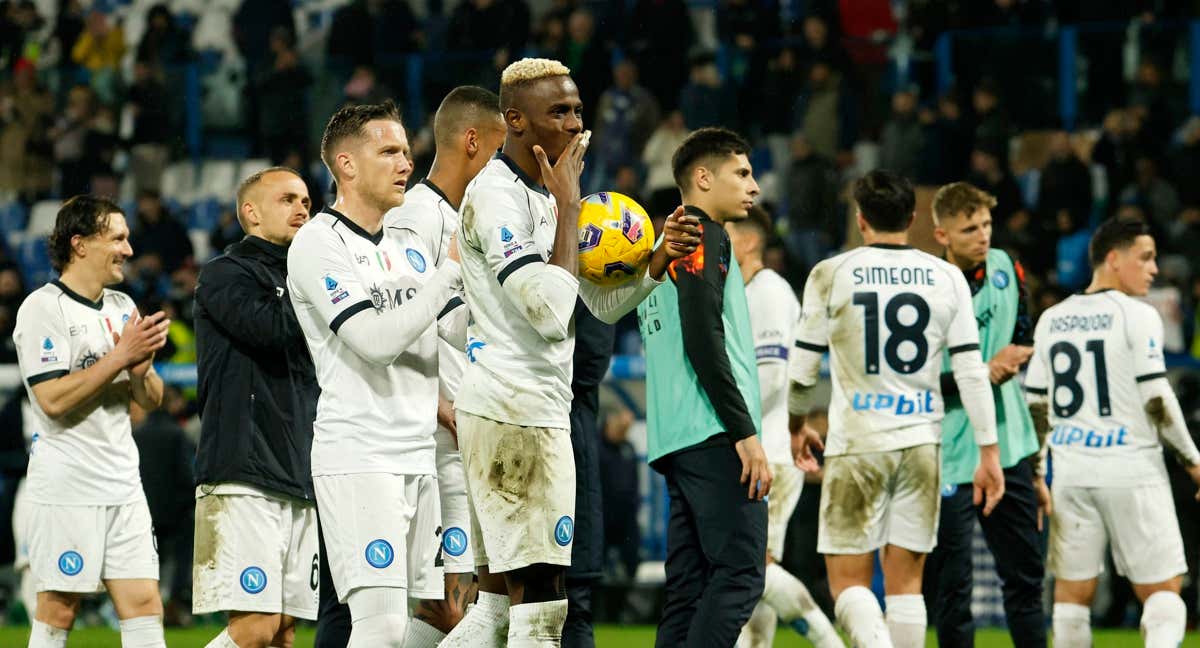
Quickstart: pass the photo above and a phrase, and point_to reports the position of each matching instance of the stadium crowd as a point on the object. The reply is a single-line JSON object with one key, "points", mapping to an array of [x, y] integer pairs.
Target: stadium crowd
{"points": [[92, 100]]}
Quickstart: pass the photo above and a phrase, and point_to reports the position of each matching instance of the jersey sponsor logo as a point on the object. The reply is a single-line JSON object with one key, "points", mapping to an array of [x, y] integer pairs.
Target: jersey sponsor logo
{"points": [[454, 541], [88, 359], [589, 237], [473, 345], [1000, 279], [414, 259], [253, 580], [564, 530], [336, 292], [771, 352], [383, 298], [70, 563], [379, 553], [506, 234], [1071, 435], [897, 404]]}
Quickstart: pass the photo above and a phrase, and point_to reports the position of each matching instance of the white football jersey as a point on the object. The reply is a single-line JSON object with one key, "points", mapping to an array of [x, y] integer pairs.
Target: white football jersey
{"points": [[87, 457], [513, 375], [885, 313], [1090, 353], [774, 311], [427, 212], [370, 418]]}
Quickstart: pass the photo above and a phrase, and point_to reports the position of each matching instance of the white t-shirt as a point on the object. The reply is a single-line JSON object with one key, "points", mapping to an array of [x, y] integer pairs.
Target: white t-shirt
{"points": [[885, 313], [427, 212], [370, 418], [87, 457], [513, 375], [1090, 353], [774, 311]]}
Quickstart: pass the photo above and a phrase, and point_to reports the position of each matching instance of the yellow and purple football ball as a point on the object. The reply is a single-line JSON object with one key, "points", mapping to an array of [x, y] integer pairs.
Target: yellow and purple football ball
{"points": [[616, 239]]}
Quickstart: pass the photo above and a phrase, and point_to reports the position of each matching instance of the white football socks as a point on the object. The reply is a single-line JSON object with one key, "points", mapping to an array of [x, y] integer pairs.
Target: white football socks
{"points": [[906, 620], [222, 640], [536, 625], [1164, 620], [42, 635], [759, 631], [857, 610], [422, 635], [485, 625], [378, 617], [1072, 626], [791, 601]]}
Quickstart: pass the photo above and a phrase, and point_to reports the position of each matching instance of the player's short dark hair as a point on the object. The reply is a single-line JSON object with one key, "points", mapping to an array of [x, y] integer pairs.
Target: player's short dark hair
{"points": [[1117, 233], [349, 121], [83, 215], [701, 148], [464, 107], [246, 185], [886, 200]]}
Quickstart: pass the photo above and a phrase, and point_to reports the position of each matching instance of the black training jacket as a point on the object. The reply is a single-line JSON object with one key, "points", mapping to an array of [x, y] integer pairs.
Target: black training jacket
{"points": [[257, 386]]}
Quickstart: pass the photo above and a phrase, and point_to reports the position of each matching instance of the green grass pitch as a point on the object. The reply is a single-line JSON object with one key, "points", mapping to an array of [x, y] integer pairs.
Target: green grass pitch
{"points": [[606, 637]]}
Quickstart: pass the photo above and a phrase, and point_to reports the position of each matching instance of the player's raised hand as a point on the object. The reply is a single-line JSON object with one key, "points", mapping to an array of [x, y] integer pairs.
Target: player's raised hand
{"points": [[804, 441], [140, 338], [755, 472], [989, 479], [681, 234], [562, 179], [1045, 504]]}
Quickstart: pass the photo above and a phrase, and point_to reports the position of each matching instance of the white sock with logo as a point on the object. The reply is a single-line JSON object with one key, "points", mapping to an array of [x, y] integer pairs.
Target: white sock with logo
{"points": [[1164, 620], [857, 610], [906, 620], [485, 625], [43, 635], [1072, 626]]}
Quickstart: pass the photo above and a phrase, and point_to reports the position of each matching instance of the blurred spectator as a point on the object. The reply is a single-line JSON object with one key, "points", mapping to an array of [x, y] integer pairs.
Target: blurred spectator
{"points": [[824, 112], [626, 181], [625, 116], [364, 87], [992, 129], [163, 43], [1185, 237], [660, 36], [69, 136], [255, 22], [1185, 161], [149, 144], [282, 88], [551, 35], [815, 223], [945, 143], [316, 193], [781, 86], [165, 462], [68, 26], [1148, 99], [497, 26], [19, 24], [372, 33], [26, 169], [818, 44], [160, 243], [587, 57], [100, 147], [99, 50], [1065, 185], [1013, 227], [12, 293], [226, 232], [621, 494], [660, 179], [1153, 194], [1117, 148], [707, 100], [748, 30], [900, 141]]}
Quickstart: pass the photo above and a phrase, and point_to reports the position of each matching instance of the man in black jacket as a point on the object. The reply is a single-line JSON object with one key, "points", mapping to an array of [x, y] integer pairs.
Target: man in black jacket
{"points": [[256, 522]]}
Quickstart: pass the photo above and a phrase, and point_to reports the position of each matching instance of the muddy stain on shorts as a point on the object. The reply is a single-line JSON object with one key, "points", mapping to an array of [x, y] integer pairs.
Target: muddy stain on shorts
{"points": [[856, 485], [208, 541], [516, 463], [920, 473]]}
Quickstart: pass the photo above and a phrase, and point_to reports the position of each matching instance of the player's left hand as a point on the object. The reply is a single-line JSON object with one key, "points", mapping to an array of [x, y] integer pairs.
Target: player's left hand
{"points": [[1194, 472], [1007, 362], [1045, 504], [989, 479], [755, 470], [804, 441], [445, 417], [681, 234]]}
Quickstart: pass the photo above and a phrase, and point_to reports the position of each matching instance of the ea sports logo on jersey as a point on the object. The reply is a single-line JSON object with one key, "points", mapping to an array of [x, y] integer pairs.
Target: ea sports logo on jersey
{"points": [[454, 541], [415, 259], [1000, 279], [379, 553], [564, 530], [70, 563], [254, 580]]}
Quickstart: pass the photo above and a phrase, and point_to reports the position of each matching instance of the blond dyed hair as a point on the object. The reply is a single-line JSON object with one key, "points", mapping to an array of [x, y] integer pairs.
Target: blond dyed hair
{"points": [[532, 69]]}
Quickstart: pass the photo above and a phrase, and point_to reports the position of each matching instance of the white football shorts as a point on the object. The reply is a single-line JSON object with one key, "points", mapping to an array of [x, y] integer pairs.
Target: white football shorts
{"points": [[76, 548]]}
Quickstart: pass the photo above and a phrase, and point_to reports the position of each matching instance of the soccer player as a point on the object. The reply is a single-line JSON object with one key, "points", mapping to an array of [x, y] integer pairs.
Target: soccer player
{"points": [[963, 225], [256, 521], [520, 242], [368, 301], [703, 413], [1097, 383], [467, 130], [88, 524], [774, 311], [885, 312]]}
